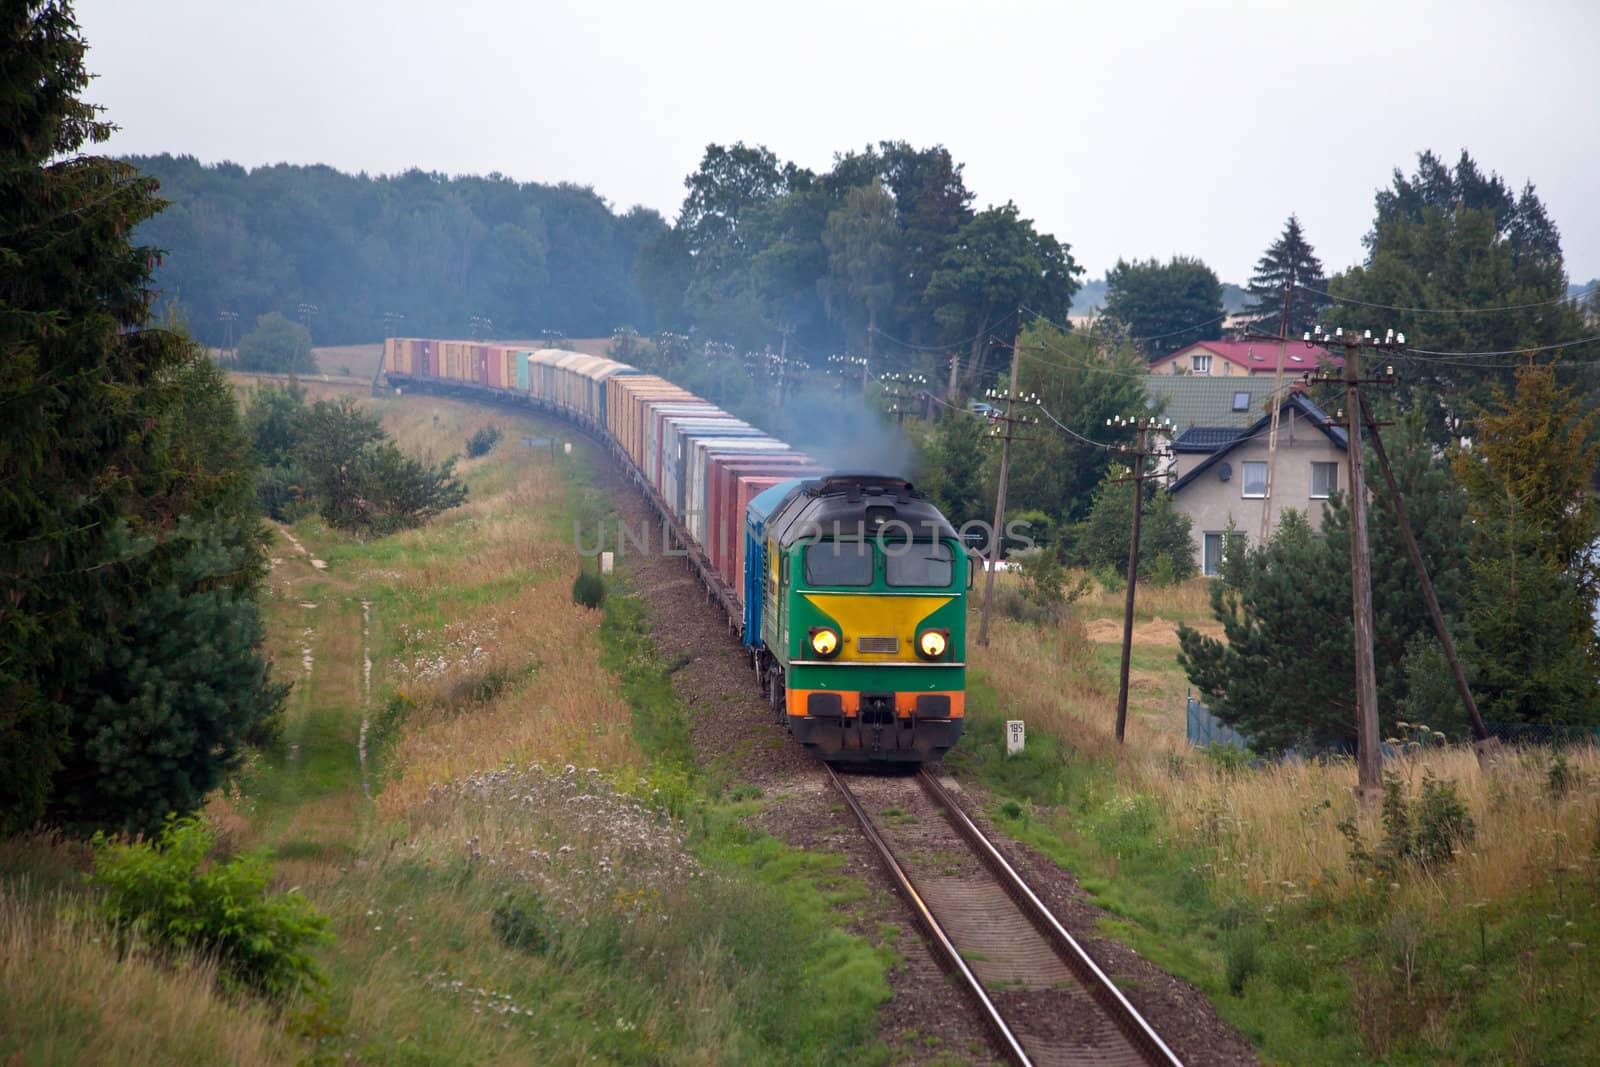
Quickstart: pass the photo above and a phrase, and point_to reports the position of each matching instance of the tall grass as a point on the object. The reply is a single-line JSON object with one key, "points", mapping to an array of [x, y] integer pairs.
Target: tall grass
{"points": [[1239, 876], [68, 996], [1275, 826]]}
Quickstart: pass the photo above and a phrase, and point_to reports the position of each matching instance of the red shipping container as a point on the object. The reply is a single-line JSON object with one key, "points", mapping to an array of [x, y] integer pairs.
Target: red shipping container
{"points": [[725, 521], [749, 489], [496, 367]]}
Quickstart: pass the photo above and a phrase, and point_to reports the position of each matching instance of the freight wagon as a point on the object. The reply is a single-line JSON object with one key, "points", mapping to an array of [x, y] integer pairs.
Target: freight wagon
{"points": [[848, 591]]}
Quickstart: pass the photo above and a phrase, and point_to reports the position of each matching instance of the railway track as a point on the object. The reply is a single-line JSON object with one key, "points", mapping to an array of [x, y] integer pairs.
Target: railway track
{"points": [[1045, 1000]]}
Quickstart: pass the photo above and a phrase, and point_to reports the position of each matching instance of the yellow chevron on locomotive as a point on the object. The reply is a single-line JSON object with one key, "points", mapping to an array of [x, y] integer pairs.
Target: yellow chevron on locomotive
{"points": [[877, 615]]}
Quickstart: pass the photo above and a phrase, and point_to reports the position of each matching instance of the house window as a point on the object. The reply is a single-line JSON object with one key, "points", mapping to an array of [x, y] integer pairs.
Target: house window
{"points": [[1241, 401], [1200, 363], [1254, 478], [1211, 563], [1324, 480]]}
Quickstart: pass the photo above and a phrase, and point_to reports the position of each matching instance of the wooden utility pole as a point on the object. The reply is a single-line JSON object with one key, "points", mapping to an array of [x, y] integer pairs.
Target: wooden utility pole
{"points": [[1010, 420], [1369, 761], [900, 390], [1435, 615], [1139, 452], [1277, 408]]}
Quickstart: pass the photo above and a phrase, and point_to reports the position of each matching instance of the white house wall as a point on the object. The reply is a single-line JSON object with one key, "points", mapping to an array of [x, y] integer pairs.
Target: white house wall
{"points": [[1210, 502]]}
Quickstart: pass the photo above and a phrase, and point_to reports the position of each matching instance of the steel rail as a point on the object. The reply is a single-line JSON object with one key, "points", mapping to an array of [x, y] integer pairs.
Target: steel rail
{"points": [[941, 941], [1095, 980]]}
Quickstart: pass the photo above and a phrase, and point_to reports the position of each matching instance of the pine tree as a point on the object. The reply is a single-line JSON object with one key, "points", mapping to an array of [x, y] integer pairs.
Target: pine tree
{"points": [[1289, 263], [73, 459], [129, 645]]}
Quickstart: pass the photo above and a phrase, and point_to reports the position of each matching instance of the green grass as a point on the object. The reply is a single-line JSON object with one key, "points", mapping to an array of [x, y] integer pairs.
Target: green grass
{"points": [[1306, 979]]}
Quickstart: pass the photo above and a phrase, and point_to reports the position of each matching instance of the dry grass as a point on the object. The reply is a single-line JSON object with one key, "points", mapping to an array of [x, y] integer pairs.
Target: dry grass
{"points": [[1273, 830], [566, 710], [67, 997]]}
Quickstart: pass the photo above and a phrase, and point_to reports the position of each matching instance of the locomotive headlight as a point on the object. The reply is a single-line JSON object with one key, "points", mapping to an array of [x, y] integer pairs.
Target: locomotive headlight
{"points": [[932, 644], [824, 642]]}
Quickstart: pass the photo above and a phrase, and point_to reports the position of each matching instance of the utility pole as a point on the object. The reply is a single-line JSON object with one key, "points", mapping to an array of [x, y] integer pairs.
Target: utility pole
{"points": [[1277, 408], [228, 319], [1141, 451], [1429, 597], [307, 311], [1010, 420], [1369, 761], [390, 320], [900, 389]]}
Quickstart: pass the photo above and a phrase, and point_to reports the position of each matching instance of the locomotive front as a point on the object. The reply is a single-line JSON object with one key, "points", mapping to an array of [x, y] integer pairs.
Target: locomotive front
{"points": [[864, 620]]}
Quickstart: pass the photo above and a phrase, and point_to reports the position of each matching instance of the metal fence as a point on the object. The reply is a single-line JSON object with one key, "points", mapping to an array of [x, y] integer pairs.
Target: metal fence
{"points": [[1204, 728]]}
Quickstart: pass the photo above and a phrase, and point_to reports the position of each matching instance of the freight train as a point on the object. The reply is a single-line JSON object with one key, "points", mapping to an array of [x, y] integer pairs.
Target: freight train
{"points": [[847, 590]]}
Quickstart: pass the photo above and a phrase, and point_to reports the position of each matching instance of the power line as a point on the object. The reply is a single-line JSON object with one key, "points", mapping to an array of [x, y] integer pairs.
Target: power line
{"points": [[1451, 311], [1507, 351], [1074, 433], [947, 346], [1153, 337]]}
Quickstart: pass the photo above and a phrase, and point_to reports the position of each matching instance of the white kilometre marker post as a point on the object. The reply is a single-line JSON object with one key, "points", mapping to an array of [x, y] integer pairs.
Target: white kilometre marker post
{"points": [[1014, 736]]}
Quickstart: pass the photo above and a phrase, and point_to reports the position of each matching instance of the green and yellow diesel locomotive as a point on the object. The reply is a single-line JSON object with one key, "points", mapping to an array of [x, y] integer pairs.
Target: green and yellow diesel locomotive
{"points": [[855, 616]]}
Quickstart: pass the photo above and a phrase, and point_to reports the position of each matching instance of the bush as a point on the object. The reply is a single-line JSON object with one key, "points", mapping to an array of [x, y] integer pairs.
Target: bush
{"points": [[1425, 831], [171, 895], [588, 589], [1045, 589], [483, 442], [523, 923]]}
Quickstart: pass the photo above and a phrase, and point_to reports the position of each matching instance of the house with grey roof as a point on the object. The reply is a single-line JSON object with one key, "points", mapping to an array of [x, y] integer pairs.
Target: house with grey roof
{"points": [[1220, 472]]}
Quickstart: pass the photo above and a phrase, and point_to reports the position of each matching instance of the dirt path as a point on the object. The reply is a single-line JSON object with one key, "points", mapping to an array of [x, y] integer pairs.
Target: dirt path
{"points": [[313, 798]]}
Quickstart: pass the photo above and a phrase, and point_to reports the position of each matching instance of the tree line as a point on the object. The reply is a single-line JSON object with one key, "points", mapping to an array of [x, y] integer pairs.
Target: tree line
{"points": [[532, 259]]}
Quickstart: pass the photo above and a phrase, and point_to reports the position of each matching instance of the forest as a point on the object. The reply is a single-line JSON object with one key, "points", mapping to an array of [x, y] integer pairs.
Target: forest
{"points": [[437, 250]]}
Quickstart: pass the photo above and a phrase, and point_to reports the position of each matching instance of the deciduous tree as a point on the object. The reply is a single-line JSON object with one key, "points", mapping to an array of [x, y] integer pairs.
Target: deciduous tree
{"points": [[277, 346], [996, 263], [1165, 305], [1448, 244]]}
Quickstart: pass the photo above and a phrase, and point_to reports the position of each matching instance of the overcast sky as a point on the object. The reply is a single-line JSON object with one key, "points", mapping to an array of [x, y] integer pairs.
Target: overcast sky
{"points": [[1126, 129]]}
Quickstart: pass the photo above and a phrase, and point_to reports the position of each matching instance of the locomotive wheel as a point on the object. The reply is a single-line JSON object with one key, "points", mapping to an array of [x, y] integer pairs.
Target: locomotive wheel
{"points": [[775, 694]]}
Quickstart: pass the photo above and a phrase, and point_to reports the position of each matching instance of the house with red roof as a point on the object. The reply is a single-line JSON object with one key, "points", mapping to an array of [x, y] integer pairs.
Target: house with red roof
{"points": [[1244, 358]]}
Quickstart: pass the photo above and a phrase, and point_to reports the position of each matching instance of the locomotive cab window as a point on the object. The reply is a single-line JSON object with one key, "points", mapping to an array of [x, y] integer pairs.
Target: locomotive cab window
{"points": [[839, 563], [920, 564]]}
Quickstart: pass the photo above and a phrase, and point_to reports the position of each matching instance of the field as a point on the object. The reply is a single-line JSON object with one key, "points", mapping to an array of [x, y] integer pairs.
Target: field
{"points": [[492, 793], [1243, 877], [519, 863]]}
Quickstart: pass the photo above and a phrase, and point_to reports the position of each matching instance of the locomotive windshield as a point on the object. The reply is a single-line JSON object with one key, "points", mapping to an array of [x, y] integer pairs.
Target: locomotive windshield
{"points": [[839, 563], [923, 564]]}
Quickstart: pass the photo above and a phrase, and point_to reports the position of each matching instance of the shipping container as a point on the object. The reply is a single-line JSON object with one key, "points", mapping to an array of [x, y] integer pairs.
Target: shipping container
{"points": [[628, 395], [661, 458], [724, 510], [671, 447], [758, 510], [495, 367], [649, 406], [697, 483]]}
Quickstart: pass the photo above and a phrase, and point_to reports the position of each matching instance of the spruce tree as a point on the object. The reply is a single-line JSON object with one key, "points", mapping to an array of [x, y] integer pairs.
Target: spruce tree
{"points": [[1288, 263], [73, 294], [129, 644]]}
